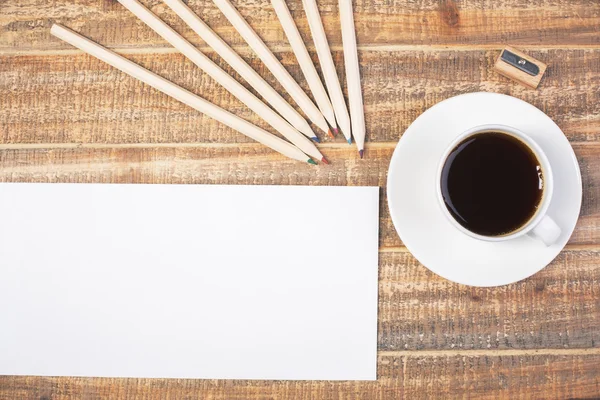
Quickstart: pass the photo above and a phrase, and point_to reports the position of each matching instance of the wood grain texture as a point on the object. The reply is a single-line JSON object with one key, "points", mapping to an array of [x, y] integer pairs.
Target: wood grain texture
{"points": [[25, 23], [94, 103], [66, 117], [403, 375]]}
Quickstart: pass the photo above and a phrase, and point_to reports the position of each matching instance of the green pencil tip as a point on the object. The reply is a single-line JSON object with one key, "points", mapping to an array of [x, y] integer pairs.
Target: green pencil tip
{"points": [[311, 161]]}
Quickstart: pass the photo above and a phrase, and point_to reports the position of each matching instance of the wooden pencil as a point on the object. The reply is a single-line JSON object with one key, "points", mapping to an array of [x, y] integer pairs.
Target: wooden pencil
{"points": [[332, 80], [242, 67], [223, 78], [179, 93], [272, 63], [355, 96], [304, 60]]}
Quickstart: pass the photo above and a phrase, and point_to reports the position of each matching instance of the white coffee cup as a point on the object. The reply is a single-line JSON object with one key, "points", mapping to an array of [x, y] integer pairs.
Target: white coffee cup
{"points": [[540, 225]]}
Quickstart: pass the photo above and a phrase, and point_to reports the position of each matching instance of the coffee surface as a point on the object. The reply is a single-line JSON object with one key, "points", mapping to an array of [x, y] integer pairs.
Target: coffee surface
{"points": [[492, 183]]}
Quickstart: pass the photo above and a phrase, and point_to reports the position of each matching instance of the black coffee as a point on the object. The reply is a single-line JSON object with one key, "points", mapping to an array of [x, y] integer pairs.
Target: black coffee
{"points": [[492, 183]]}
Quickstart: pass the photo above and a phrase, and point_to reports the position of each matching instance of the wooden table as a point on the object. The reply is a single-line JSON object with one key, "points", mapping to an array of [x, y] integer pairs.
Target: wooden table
{"points": [[66, 117]]}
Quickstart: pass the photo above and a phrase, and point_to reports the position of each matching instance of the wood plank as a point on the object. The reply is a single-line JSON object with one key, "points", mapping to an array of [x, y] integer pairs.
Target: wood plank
{"points": [[24, 24], [411, 376], [74, 98], [556, 308], [250, 164]]}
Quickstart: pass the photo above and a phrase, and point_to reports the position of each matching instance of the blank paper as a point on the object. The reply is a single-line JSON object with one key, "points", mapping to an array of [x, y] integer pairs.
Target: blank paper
{"points": [[188, 281]]}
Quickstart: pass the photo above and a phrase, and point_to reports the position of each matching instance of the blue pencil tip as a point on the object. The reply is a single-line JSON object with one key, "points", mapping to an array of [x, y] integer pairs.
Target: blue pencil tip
{"points": [[316, 139], [350, 141]]}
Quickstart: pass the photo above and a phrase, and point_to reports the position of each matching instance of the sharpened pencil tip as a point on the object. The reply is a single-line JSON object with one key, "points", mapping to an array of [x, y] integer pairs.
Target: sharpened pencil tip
{"points": [[330, 134], [350, 141], [324, 160], [311, 161], [336, 131], [316, 139], [362, 153]]}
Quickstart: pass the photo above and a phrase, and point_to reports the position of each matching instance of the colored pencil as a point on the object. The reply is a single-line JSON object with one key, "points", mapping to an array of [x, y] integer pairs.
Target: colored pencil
{"points": [[328, 67], [304, 60], [272, 63], [242, 67], [222, 77], [179, 93], [355, 96]]}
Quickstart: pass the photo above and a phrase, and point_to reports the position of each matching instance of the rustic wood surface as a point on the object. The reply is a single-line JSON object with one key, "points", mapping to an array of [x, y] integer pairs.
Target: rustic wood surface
{"points": [[65, 117]]}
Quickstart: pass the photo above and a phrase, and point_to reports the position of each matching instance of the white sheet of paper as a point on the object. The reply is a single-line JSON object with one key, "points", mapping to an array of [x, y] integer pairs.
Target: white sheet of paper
{"points": [[189, 281]]}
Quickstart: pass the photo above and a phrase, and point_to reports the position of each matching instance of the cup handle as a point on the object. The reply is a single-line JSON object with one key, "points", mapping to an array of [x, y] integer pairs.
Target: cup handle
{"points": [[547, 231]]}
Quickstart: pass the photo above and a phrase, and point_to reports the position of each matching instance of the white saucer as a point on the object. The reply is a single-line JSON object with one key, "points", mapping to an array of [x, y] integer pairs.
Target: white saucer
{"points": [[417, 215]]}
